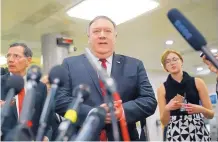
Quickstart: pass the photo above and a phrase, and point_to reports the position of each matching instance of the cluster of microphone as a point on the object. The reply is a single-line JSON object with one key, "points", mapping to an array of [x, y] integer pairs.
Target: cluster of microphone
{"points": [[95, 119], [67, 130]]}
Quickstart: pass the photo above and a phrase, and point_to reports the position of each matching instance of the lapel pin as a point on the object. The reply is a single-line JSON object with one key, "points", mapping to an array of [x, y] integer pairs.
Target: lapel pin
{"points": [[118, 62]]}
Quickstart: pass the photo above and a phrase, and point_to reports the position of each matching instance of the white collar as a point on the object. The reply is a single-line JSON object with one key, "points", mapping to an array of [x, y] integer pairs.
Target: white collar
{"points": [[109, 59], [24, 77]]}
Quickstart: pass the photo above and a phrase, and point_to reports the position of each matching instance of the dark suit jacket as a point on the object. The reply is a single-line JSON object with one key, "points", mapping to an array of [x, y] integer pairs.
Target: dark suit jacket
{"points": [[132, 83], [12, 120]]}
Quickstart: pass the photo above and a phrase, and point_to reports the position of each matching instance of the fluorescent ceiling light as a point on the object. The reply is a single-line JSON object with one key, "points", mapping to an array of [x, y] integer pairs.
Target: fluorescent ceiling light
{"points": [[3, 60], [119, 11], [203, 72], [214, 50], [200, 68], [169, 42]]}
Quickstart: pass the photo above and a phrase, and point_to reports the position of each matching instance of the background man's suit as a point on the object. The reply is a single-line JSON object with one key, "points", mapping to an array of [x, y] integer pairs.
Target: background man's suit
{"points": [[12, 119], [132, 83]]}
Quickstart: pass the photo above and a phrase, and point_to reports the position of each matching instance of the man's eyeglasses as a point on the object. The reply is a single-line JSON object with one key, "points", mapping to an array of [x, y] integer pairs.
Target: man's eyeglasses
{"points": [[105, 31], [173, 60], [14, 56]]}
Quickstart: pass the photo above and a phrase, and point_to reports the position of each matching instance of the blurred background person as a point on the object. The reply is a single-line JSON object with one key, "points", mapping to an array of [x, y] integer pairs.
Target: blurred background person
{"points": [[178, 100]]}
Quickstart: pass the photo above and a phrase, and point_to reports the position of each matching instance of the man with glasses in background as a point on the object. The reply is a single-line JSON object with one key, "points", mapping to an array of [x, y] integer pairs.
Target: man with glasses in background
{"points": [[19, 58]]}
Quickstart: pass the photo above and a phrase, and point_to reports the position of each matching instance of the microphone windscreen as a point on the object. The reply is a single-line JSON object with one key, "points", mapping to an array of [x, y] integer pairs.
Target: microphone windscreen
{"points": [[34, 73], [84, 89], [16, 82], [58, 75], [186, 29], [100, 113]]}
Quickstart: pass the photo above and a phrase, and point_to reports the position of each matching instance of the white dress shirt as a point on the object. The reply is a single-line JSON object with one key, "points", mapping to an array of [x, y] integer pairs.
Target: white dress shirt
{"points": [[108, 63]]}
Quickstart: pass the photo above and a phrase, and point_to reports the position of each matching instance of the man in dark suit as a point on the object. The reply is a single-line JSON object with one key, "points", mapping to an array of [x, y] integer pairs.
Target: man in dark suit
{"points": [[129, 73], [18, 59]]}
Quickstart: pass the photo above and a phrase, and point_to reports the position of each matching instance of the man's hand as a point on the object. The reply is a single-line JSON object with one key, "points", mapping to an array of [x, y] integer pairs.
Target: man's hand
{"points": [[105, 107], [2, 103], [210, 65], [108, 117], [45, 139], [118, 112], [117, 103]]}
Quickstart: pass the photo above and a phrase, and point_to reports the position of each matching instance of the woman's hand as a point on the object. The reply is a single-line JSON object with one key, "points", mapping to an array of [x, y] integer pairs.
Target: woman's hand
{"points": [[173, 105], [193, 108]]}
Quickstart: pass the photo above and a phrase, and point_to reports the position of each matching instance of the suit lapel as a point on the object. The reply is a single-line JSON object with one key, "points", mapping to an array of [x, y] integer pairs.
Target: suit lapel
{"points": [[117, 67], [93, 74]]}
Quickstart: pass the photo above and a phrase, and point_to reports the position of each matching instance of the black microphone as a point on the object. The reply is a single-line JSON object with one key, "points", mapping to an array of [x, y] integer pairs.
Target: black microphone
{"points": [[81, 93], [190, 34], [57, 76], [33, 77], [92, 125], [14, 84]]}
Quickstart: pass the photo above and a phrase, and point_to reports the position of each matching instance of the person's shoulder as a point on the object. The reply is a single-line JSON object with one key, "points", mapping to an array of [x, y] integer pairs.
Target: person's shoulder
{"points": [[199, 80], [129, 59], [4, 77], [199, 83], [74, 58], [161, 89], [3, 83]]}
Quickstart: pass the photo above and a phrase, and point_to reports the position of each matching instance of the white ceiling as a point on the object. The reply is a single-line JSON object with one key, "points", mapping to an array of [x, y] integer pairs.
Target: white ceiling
{"points": [[143, 37]]}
